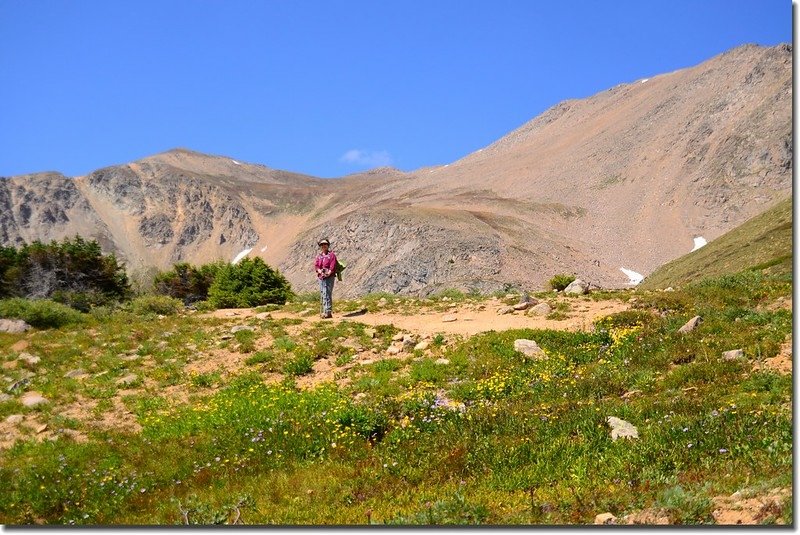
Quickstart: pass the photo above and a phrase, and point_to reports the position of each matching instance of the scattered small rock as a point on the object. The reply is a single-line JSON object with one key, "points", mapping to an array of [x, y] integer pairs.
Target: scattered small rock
{"points": [[32, 399], [369, 331], [577, 287], [505, 310], [630, 394], [238, 328], [605, 518], [422, 346], [542, 309], [690, 325], [30, 360], [529, 348], [393, 350], [127, 379], [20, 384], [77, 373], [398, 337], [733, 354], [445, 298], [521, 306], [621, 429], [130, 358], [40, 428], [448, 318], [22, 345], [264, 316], [442, 361], [13, 326], [10, 365], [669, 289], [4, 398], [15, 419], [231, 314]]}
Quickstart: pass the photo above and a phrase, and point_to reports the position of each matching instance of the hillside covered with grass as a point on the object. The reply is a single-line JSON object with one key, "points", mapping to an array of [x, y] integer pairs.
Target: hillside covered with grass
{"points": [[763, 242], [464, 431]]}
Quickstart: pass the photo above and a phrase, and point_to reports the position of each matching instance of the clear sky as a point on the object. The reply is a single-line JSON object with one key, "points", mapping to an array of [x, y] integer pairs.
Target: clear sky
{"points": [[328, 87]]}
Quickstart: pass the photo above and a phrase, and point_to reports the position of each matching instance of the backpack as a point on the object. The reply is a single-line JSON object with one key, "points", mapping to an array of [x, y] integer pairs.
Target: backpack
{"points": [[340, 266]]}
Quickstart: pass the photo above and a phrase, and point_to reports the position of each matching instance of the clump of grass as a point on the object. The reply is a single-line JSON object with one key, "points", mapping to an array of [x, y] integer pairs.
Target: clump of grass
{"points": [[40, 313], [301, 364], [560, 281], [155, 304], [246, 339], [205, 380], [260, 357]]}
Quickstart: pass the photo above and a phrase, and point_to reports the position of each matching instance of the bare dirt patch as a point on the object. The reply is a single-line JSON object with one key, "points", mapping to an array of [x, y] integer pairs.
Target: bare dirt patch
{"points": [[469, 320], [737, 509], [780, 363]]}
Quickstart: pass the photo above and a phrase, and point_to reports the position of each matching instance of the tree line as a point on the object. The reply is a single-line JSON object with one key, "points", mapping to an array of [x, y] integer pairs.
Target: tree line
{"points": [[75, 272]]}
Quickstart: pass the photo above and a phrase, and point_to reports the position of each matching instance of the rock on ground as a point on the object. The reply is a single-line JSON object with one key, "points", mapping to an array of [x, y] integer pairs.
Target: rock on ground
{"points": [[605, 518], [577, 287], [32, 399], [621, 429], [448, 318], [690, 325], [422, 346], [529, 348], [13, 326], [733, 354], [238, 328], [505, 310], [127, 379], [542, 309]]}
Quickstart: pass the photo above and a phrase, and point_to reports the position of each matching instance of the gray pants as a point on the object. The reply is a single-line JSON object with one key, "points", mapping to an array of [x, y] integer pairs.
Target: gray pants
{"points": [[326, 291]]}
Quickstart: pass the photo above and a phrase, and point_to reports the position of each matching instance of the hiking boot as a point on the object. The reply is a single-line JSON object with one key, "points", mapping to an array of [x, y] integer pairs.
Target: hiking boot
{"points": [[327, 316]]}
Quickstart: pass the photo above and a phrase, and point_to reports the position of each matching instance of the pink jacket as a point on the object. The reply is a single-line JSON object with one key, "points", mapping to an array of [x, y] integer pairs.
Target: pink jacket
{"points": [[327, 263]]}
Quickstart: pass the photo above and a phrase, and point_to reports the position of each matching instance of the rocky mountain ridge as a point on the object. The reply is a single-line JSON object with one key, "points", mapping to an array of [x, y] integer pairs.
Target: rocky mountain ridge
{"points": [[624, 179]]}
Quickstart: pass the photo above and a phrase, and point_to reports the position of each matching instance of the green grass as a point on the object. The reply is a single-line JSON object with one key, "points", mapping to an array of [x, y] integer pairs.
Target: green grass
{"points": [[491, 437], [761, 243]]}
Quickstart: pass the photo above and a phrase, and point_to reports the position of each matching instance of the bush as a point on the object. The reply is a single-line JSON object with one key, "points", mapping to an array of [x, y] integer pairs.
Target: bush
{"points": [[249, 283], [561, 281], [42, 313], [187, 282], [155, 304], [74, 272]]}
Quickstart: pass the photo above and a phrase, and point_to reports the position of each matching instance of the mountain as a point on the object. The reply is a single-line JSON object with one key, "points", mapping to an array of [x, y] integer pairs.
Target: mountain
{"points": [[626, 178], [763, 242]]}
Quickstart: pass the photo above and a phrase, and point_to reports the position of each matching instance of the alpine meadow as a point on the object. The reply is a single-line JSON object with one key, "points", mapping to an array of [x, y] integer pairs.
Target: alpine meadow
{"points": [[588, 321]]}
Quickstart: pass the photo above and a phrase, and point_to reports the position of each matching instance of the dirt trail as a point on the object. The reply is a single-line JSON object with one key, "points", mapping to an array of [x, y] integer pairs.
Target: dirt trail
{"points": [[469, 319]]}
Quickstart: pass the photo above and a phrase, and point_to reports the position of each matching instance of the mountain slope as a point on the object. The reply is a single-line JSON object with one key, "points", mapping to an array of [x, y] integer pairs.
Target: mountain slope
{"points": [[764, 241], [626, 178]]}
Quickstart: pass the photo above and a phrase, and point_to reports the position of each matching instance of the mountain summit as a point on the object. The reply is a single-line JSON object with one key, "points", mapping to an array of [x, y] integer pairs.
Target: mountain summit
{"points": [[627, 178]]}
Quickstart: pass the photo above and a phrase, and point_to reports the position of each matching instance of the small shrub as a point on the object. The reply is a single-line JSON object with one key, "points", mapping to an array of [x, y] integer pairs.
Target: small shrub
{"points": [[260, 357], [561, 281], [155, 304], [249, 283], [187, 282], [205, 380], [41, 313], [247, 341], [301, 364]]}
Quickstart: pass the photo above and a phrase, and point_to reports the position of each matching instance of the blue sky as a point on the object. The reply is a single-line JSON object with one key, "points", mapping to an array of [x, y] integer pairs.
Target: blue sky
{"points": [[328, 88]]}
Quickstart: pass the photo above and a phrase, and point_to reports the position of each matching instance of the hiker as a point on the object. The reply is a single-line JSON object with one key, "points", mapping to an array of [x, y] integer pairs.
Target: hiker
{"points": [[325, 264]]}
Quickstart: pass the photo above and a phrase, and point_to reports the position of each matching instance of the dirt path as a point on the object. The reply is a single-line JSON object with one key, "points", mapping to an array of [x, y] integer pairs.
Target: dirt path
{"points": [[469, 320]]}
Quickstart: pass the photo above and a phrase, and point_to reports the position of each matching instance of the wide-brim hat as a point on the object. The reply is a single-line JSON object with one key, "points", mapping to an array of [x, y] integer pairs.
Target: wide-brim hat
{"points": [[323, 240]]}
